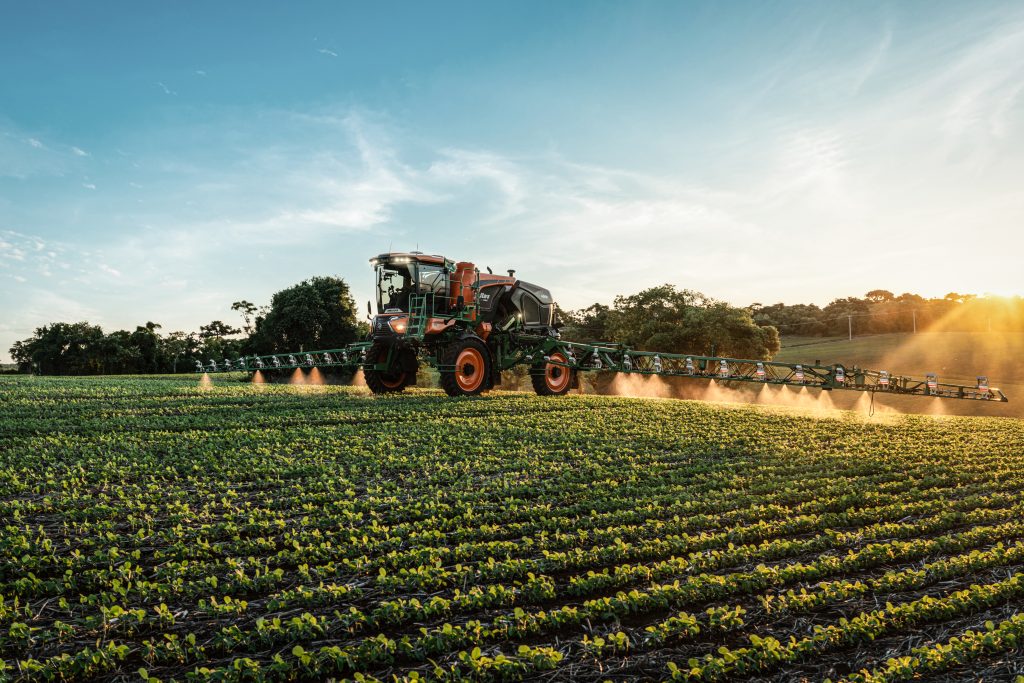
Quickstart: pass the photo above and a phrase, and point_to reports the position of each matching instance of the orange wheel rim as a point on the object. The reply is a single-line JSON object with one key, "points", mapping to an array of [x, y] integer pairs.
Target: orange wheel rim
{"points": [[393, 383], [469, 369], [556, 377]]}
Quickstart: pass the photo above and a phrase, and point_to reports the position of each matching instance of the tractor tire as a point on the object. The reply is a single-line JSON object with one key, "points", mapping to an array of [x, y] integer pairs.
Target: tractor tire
{"points": [[390, 382], [472, 374], [552, 380]]}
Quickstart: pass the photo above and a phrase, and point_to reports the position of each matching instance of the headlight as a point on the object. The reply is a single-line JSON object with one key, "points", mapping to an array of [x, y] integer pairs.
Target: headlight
{"points": [[399, 325]]}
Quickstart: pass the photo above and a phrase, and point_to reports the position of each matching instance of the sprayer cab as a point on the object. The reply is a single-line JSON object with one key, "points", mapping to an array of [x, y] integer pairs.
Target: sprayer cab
{"points": [[400, 276], [420, 295]]}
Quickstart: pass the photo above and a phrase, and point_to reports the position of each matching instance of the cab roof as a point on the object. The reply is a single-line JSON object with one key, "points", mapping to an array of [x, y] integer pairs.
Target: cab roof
{"points": [[409, 256]]}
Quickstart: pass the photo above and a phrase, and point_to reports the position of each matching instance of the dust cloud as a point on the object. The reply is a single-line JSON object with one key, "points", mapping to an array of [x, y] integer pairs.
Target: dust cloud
{"points": [[640, 386]]}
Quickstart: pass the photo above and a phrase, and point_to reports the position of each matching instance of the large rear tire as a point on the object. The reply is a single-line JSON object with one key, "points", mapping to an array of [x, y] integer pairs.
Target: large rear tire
{"points": [[472, 373], [550, 379], [385, 382]]}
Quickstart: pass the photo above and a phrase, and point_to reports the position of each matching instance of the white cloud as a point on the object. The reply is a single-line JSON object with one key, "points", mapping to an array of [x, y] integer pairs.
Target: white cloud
{"points": [[167, 91], [89, 186], [35, 143], [325, 51], [109, 271], [200, 72], [78, 151]]}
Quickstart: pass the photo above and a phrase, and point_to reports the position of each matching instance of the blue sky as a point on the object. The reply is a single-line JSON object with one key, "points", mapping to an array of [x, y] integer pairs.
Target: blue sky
{"points": [[160, 160]]}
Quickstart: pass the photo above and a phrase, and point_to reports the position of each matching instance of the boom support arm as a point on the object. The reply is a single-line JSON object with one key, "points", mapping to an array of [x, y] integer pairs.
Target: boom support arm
{"points": [[618, 358]]}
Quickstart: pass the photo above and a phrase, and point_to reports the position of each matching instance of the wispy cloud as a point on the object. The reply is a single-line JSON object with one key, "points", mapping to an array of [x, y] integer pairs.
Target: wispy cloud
{"points": [[167, 91], [982, 86], [14, 246], [874, 59], [351, 189], [329, 53], [459, 169], [79, 152], [59, 307], [200, 72]]}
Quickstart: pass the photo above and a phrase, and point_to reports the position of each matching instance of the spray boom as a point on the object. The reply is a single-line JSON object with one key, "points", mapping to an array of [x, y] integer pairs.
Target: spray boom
{"points": [[471, 326]]}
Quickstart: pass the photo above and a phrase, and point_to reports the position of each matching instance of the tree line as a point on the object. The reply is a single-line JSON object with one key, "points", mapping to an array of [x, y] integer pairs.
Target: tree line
{"points": [[314, 314], [320, 313], [881, 312]]}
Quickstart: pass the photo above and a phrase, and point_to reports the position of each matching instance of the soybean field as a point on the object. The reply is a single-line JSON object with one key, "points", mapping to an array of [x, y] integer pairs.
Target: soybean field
{"points": [[155, 529]]}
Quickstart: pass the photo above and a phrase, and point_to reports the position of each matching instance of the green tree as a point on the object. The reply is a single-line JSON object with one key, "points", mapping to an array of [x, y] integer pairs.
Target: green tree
{"points": [[147, 341], [62, 349], [796, 319], [248, 310], [659, 319], [318, 313], [680, 321], [836, 315], [879, 296], [731, 331], [121, 355], [180, 348], [215, 343], [588, 324]]}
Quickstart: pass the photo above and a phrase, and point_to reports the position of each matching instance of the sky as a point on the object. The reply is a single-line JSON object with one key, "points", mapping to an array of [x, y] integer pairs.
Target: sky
{"points": [[161, 160]]}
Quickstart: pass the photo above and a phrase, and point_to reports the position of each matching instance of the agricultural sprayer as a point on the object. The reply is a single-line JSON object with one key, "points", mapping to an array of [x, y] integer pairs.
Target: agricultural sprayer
{"points": [[471, 326]]}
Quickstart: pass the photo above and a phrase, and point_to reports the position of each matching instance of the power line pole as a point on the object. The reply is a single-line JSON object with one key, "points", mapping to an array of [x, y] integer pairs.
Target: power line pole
{"points": [[849, 325], [915, 321]]}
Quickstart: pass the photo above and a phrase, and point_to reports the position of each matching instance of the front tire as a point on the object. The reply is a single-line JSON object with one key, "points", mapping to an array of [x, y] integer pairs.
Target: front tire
{"points": [[388, 381], [550, 379], [472, 363]]}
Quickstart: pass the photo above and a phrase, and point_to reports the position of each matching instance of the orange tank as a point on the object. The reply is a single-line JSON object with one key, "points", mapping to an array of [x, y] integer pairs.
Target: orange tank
{"points": [[463, 280]]}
